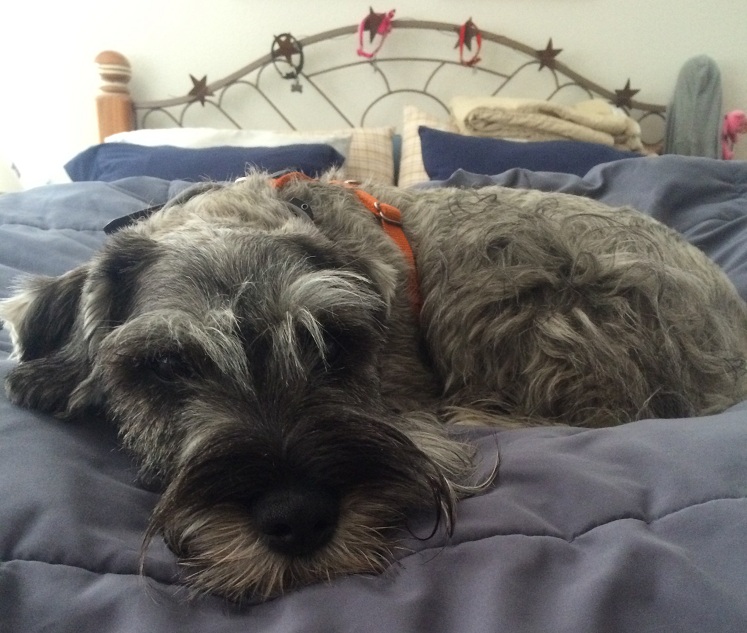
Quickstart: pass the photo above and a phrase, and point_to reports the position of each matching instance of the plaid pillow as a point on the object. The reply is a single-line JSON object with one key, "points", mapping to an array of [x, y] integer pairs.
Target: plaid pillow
{"points": [[371, 155], [411, 168]]}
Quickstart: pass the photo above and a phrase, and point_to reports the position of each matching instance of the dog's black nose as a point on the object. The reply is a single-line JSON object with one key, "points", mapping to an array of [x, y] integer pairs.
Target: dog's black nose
{"points": [[296, 520]]}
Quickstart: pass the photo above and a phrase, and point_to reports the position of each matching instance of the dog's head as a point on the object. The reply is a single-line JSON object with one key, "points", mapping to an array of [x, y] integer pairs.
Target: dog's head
{"points": [[238, 348]]}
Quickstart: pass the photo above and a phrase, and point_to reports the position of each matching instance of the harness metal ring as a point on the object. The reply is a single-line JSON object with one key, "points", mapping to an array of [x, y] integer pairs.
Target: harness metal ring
{"points": [[384, 217]]}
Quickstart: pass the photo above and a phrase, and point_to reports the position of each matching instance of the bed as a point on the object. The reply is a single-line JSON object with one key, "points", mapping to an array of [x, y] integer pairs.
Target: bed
{"points": [[635, 528]]}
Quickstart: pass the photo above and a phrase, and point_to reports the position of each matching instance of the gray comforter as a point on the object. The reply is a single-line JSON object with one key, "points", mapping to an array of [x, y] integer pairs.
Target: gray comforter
{"points": [[636, 528]]}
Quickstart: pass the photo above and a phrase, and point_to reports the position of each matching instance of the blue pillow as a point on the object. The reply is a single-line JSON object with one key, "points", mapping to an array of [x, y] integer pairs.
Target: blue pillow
{"points": [[112, 161], [445, 152]]}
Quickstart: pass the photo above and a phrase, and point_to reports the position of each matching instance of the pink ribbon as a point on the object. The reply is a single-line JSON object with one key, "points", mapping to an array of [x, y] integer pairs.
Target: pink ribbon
{"points": [[385, 26]]}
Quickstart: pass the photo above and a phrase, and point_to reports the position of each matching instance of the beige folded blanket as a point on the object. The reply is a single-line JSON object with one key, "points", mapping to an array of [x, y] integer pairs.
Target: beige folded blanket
{"points": [[593, 121]]}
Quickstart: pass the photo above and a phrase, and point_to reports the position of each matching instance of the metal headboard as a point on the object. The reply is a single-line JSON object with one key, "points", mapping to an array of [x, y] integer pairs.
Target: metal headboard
{"points": [[418, 62]]}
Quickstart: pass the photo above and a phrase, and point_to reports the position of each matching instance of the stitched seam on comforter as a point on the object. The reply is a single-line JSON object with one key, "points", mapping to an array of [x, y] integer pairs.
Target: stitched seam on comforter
{"points": [[591, 528], [42, 227], [666, 515], [434, 548], [101, 572]]}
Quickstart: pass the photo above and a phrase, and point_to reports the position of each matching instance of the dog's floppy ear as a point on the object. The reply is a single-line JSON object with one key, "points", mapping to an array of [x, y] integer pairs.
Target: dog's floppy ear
{"points": [[111, 284], [41, 318], [57, 323]]}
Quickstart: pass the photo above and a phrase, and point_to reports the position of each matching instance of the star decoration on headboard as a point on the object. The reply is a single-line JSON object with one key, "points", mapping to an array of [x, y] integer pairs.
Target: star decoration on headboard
{"points": [[200, 90], [470, 32], [285, 46], [372, 22], [287, 52], [547, 56], [467, 33], [624, 97]]}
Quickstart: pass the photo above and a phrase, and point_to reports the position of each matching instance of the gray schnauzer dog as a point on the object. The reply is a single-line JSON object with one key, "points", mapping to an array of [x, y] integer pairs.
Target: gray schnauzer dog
{"points": [[266, 357]]}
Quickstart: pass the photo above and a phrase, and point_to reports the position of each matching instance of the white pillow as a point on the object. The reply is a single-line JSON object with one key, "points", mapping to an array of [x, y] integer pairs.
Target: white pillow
{"points": [[201, 137]]}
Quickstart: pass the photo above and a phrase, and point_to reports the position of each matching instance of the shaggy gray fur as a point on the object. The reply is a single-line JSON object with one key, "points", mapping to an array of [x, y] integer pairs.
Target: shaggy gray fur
{"points": [[269, 370]]}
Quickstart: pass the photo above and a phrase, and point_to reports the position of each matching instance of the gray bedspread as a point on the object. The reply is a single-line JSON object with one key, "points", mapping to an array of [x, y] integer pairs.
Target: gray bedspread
{"points": [[637, 528]]}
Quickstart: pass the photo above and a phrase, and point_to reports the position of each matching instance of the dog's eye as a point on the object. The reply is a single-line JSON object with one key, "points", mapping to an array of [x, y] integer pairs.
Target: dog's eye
{"points": [[337, 343], [332, 351], [170, 367]]}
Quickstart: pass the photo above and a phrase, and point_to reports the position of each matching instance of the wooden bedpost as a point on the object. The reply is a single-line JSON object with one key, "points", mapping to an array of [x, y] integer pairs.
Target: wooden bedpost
{"points": [[113, 103]]}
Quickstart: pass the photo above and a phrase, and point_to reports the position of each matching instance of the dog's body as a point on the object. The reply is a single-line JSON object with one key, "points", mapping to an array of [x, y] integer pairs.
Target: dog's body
{"points": [[273, 371]]}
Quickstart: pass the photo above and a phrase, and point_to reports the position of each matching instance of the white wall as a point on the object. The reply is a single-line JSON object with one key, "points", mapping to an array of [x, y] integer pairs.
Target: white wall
{"points": [[49, 81]]}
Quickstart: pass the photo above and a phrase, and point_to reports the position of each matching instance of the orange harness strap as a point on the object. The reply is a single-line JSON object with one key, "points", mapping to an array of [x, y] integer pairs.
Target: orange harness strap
{"points": [[391, 221], [287, 177]]}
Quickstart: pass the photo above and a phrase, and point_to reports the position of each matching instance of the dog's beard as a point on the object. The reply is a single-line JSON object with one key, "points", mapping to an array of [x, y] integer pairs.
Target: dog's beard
{"points": [[223, 555], [375, 473]]}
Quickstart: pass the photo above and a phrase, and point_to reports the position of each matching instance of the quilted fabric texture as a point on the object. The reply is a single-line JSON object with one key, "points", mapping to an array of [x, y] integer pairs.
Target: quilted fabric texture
{"points": [[630, 529]]}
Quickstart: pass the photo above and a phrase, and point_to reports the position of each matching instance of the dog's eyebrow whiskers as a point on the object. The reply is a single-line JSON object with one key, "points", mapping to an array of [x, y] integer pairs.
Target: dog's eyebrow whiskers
{"points": [[330, 289], [286, 344], [306, 301], [210, 339]]}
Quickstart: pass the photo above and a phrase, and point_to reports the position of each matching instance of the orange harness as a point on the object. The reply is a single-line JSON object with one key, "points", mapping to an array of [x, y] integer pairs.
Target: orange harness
{"points": [[391, 221]]}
